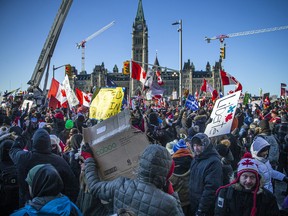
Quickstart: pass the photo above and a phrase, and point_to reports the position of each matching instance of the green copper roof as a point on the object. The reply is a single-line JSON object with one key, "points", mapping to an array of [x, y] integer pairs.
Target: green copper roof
{"points": [[140, 13]]}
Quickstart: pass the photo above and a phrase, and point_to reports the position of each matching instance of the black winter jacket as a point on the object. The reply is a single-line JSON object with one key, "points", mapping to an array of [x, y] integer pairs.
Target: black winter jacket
{"points": [[205, 178], [235, 201]]}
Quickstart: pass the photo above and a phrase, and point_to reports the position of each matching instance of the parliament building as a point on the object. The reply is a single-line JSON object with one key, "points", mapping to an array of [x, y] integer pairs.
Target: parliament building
{"points": [[192, 80]]}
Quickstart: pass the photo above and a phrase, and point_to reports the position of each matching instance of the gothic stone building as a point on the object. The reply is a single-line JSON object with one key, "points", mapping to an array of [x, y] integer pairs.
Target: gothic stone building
{"points": [[192, 80]]}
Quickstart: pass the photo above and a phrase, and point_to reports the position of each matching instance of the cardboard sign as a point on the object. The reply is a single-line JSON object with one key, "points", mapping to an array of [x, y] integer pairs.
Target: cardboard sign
{"points": [[222, 115], [107, 103], [116, 146]]}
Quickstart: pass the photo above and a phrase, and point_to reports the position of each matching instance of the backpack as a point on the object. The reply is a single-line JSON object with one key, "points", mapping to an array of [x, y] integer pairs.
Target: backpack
{"points": [[9, 188]]}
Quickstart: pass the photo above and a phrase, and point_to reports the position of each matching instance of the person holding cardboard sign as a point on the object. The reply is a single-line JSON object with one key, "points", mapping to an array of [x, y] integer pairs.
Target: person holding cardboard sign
{"points": [[150, 193]]}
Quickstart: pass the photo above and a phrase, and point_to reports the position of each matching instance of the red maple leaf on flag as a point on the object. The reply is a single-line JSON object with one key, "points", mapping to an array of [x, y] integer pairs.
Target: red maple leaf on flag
{"points": [[247, 162], [63, 92], [228, 117], [144, 74], [87, 98]]}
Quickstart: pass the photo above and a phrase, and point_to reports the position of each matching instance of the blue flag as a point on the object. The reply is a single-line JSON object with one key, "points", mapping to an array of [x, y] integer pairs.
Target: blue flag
{"points": [[191, 103]]}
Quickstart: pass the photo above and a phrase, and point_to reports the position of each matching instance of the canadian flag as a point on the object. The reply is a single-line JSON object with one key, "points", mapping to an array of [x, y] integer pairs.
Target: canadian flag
{"points": [[228, 79], [159, 79], [57, 91], [196, 95], [206, 87], [84, 99], [138, 72]]}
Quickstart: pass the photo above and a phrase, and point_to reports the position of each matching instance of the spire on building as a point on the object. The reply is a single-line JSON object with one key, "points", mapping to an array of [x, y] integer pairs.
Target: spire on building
{"points": [[140, 13], [156, 63]]}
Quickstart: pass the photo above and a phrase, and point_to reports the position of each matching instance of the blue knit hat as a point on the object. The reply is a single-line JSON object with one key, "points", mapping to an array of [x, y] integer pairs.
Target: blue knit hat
{"points": [[181, 144]]}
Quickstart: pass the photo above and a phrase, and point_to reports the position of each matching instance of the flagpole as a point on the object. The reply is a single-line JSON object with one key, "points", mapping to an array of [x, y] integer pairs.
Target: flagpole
{"points": [[130, 83]]}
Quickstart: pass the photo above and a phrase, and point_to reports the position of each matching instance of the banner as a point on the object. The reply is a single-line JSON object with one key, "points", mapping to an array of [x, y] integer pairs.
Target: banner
{"points": [[222, 115], [107, 103]]}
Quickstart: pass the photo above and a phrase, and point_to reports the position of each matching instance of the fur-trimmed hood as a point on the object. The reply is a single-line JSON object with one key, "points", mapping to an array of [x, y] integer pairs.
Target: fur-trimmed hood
{"points": [[239, 187]]}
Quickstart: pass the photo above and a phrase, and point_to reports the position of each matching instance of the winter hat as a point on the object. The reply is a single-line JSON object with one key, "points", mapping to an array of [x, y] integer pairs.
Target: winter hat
{"points": [[180, 144], [246, 164], [31, 174], [69, 124], [153, 118], [42, 124], [264, 124], [200, 139], [59, 115], [41, 141]]}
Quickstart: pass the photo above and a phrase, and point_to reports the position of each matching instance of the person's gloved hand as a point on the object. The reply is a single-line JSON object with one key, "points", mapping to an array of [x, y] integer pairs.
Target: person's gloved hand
{"points": [[200, 213], [285, 179], [86, 151], [168, 188]]}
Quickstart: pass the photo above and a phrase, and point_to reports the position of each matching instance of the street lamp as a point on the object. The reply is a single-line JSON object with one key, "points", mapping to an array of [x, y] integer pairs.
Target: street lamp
{"points": [[174, 75], [180, 58], [55, 68]]}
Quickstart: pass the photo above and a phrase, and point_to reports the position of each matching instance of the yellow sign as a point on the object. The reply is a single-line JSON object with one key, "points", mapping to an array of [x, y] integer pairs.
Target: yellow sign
{"points": [[107, 103]]}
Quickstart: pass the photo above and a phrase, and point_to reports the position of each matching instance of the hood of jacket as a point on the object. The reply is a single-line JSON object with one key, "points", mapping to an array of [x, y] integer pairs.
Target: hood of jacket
{"points": [[46, 182], [258, 144], [200, 118], [41, 141], [154, 165], [208, 152]]}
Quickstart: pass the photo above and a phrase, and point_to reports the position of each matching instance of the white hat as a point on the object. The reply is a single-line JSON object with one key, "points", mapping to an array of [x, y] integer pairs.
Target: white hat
{"points": [[247, 164]]}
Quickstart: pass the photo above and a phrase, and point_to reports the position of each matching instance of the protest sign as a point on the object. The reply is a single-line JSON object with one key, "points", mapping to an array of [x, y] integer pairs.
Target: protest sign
{"points": [[107, 103], [27, 103], [222, 115], [116, 146]]}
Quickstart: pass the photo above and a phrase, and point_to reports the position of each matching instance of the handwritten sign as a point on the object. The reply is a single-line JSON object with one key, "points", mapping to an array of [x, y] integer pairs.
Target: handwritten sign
{"points": [[222, 115], [107, 103]]}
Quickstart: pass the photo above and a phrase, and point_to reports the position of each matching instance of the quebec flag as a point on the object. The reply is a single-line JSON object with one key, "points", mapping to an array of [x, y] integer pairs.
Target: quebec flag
{"points": [[191, 103]]}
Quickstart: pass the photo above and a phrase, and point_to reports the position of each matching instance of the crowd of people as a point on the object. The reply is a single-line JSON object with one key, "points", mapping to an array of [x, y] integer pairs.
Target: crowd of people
{"points": [[47, 168]]}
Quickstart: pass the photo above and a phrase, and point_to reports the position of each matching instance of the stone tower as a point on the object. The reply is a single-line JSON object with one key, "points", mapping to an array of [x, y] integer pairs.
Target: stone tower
{"points": [[139, 43]]}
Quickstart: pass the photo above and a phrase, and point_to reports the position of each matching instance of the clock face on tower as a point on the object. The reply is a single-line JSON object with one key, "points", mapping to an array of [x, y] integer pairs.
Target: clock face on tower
{"points": [[139, 26]]}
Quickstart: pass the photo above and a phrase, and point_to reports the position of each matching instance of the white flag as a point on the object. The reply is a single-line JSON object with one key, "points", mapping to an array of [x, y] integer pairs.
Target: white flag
{"points": [[71, 97]]}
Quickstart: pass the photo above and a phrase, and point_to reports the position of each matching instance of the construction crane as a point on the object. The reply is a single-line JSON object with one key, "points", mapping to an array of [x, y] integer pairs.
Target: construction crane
{"points": [[83, 42], [223, 36], [48, 49]]}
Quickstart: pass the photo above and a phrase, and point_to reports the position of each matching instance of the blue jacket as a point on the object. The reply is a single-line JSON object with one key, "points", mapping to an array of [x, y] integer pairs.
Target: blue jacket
{"points": [[58, 206]]}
